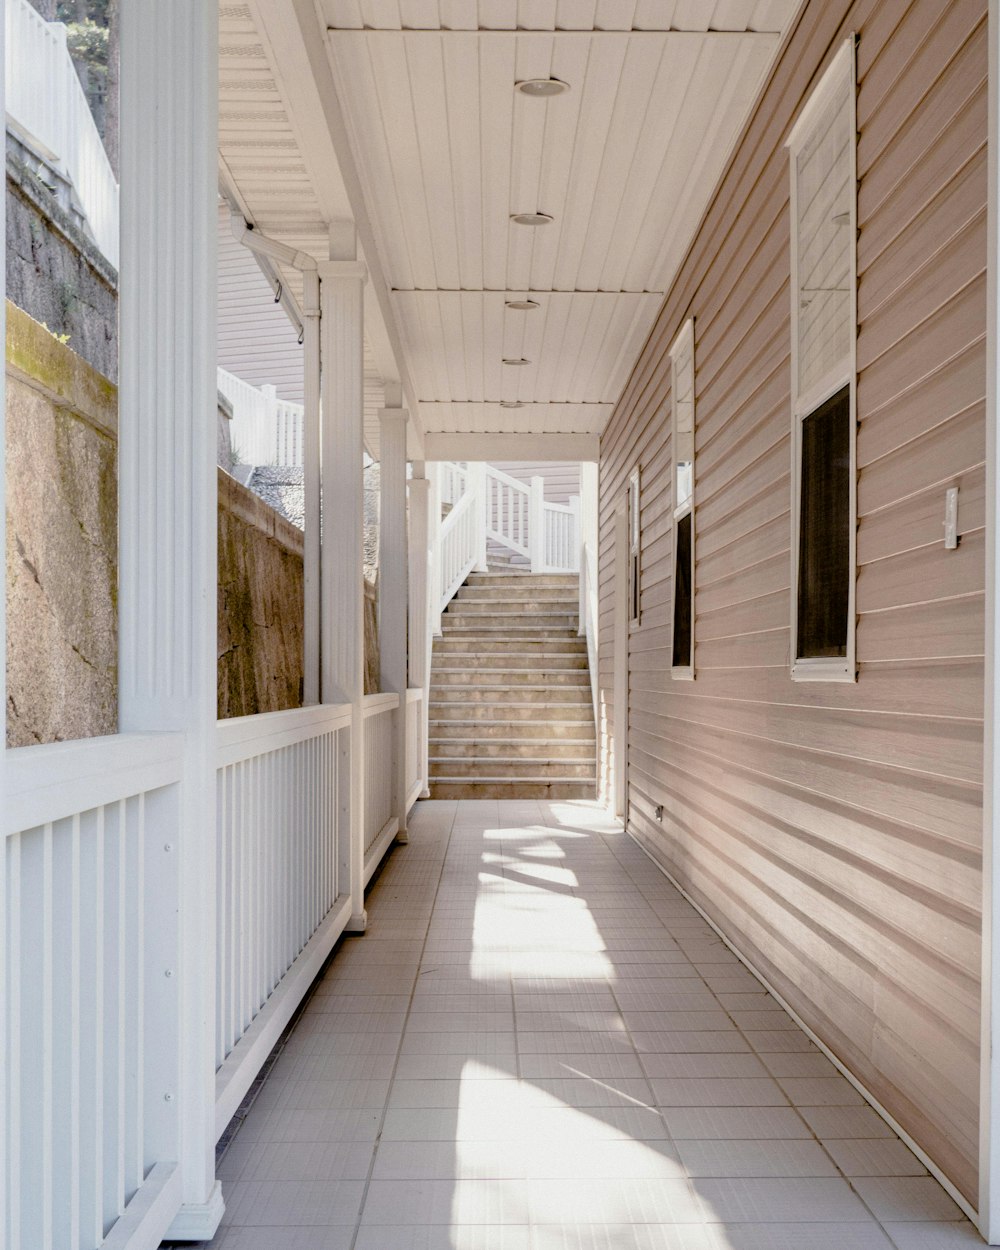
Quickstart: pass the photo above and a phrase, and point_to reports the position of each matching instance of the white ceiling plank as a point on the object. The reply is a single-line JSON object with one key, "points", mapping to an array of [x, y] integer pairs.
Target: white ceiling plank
{"points": [[381, 14], [471, 312], [692, 14], [456, 352], [497, 384], [356, 71], [498, 14], [772, 15], [745, 62], [576, 14], [731, 15], [589, 372], [663, 131], [533, 60], [459, 14], [425, 62], [497, 75], [599, 88], [642, 61], [461, 79], [555, 312], [562, 137], [536, 14], [580, 311], [390, 69], [635, 320], [616, 14], [344, 13], [419, 14], [654, 14]]}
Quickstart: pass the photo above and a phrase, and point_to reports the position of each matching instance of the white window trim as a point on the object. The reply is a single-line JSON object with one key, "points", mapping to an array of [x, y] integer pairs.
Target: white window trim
{"points": [[825, 668], [634, 547], [684, 340]]}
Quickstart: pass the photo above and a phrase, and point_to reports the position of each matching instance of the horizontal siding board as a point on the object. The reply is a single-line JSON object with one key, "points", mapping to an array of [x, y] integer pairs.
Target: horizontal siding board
{"points": [[833, 830]]}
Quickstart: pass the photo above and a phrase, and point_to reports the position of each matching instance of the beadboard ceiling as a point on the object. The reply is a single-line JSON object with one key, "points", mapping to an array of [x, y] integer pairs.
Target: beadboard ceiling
{"points": [[441, 150]]}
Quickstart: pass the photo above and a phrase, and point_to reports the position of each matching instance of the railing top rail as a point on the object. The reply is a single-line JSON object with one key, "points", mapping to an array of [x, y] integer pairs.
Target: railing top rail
{"points": [[458, 511], [566, 508], [58, 779], [498, 475], [243, 737], [375, 703]]}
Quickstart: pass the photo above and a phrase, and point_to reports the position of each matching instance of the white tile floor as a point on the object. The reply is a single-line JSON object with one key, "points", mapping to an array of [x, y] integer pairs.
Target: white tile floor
{"points": [[539, 1045]]}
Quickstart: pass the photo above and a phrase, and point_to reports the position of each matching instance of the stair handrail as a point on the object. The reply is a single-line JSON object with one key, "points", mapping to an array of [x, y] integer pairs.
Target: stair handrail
{"points": [[458, 547]]}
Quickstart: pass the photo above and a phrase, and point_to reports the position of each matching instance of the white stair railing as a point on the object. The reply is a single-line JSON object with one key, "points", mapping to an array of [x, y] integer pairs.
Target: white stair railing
{"points": [[265, 430], [459, 547], [47, 106], [508, 504]]}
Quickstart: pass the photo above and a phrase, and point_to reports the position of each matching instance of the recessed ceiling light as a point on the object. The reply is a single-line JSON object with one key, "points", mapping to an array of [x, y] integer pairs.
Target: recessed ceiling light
{"points": [[522, 305], [542, 87], [531, 219], [520, 360], [511, 403]]}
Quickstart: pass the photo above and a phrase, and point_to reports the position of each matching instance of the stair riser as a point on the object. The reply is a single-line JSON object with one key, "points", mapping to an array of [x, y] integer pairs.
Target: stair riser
{"points": [[540, 661], [493, 631], [514, 790], [536, 593], [480, 644], [509, 606], [516, 770], [503, 748], [496, 698], [546, 730], [514, 677]]}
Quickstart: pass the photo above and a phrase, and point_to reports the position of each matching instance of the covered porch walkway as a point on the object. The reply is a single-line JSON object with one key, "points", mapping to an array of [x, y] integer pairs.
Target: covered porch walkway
{"points": [[540, 1045]]}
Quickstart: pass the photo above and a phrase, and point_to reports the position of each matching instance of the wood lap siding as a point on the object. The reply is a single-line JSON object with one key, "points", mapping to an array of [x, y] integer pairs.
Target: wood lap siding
{"points": [[833, 831]]}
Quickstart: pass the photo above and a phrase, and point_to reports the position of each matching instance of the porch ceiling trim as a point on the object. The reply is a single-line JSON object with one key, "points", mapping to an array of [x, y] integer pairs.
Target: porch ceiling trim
{"points": [[560, 447]]}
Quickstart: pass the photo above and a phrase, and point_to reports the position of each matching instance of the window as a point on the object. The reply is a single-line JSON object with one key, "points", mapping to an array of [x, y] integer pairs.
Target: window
{"points": [[682, 444], [633, 546], [822, 149]]}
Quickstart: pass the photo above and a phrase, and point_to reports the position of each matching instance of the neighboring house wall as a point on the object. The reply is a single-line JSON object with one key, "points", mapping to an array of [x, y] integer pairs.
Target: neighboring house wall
{"points": [[562, 481], [256, 341], [833, 831]]}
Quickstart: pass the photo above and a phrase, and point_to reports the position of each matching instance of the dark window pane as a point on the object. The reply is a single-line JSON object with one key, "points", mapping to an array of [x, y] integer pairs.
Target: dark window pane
{"points": [[824, 536], [682, 594]]}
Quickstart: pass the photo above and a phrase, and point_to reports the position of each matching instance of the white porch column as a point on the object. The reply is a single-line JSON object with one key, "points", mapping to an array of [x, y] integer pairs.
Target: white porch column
{"points": [[989, 1098], [434, 547], [420, 634], [342, 561], [311, 459], [168, 503], [477, 487], [392, 590], [536, 525]]}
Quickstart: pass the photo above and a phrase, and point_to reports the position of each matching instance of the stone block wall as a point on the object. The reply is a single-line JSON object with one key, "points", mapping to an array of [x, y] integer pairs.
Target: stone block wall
{"points": [[62, 560]]}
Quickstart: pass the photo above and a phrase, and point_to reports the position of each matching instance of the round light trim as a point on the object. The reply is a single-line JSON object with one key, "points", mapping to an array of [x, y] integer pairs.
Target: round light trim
{"points": [[522, 305], [541, 88], [511, 403], [520, 360], [531, 219]]}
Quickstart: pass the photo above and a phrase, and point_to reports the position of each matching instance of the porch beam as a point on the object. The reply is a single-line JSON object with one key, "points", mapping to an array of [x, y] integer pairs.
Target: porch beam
{"points": [[342, 627], [393, 592], [168, 524]]}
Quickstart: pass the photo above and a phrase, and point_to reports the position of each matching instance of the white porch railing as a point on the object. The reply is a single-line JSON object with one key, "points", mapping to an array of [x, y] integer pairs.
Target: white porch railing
{"points": [[265, 429], [588, 614], [381, 825], [46, 104], [280, 829], [92, 1023], [494, 507], [414, 764]]}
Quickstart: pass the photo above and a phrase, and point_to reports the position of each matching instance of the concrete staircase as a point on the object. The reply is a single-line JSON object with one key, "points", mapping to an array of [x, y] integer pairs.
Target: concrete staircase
{"points": [[511, 714]]}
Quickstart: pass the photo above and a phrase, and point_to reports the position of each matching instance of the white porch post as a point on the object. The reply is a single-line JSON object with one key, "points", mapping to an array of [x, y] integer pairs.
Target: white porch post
{"points": [[343, 614], [434, 547], [392, 591], [989, 1101], [420, 570], [168, 502], [476, 485], [311, 453], [536, 525]]}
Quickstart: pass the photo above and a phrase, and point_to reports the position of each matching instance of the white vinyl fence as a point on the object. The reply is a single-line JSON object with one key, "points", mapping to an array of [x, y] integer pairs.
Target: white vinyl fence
{"points": [[47, 106], [265, 430], [381, 825]]}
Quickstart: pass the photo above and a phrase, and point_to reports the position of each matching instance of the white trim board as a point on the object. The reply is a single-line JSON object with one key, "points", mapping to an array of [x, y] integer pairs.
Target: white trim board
{"points": [[490, 447]]}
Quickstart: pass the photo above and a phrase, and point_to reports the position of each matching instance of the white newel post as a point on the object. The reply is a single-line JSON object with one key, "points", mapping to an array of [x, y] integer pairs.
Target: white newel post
{"points": [[311, 452], [342, 561], [536, 525], [477, 486], [392, 591], [168, 503], [434, 548], [420, 595]]}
